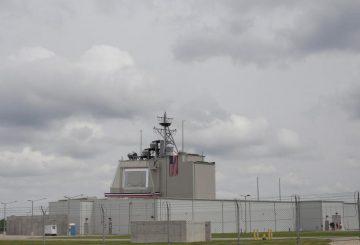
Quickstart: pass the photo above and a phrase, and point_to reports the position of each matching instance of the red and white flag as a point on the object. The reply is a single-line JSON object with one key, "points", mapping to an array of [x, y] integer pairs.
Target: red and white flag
{"points": [[173, 165]]}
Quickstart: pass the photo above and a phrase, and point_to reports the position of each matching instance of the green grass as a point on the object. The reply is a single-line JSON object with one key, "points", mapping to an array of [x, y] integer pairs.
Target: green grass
{"points": [[108, 237], [111, 240], [292, 234], [79, 242]]}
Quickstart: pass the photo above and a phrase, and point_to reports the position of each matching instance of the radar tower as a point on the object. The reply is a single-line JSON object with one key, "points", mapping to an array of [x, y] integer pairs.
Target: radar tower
{"points": [[165, 132]]}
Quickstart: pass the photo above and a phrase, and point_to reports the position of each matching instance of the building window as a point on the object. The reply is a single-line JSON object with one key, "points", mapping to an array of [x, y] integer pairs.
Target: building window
{"points": [[135, 178]]}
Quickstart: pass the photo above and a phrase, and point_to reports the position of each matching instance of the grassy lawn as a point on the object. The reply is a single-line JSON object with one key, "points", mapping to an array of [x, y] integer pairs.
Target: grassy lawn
{"points": [[77, 242], [292, 234], [233, 235], [107, 237], [110, 240]]}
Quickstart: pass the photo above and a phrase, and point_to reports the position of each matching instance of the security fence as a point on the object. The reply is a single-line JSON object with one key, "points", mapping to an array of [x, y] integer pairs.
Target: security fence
{"points": [[114, 216]]}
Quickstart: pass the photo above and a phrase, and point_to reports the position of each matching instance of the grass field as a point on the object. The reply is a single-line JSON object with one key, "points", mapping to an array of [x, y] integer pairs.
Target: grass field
{"points": [[308, 238], [293, 234], [282, 234], [233, 242]]}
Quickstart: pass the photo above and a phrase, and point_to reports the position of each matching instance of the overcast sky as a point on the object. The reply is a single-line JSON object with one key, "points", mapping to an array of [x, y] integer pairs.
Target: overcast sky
{"points": [[266, 88]]}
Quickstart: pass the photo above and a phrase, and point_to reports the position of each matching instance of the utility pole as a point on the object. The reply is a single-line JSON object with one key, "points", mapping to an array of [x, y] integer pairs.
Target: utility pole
{"points": [[5, 223], [257, 187], [32, 212], [279, 190]]}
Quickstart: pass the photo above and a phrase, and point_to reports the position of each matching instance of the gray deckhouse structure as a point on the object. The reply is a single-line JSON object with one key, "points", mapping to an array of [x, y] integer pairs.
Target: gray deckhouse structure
{"points": [[161, 170]]}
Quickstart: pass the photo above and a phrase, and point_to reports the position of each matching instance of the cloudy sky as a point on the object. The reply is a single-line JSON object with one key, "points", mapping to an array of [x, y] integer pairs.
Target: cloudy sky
{"points": [[266, 88]]}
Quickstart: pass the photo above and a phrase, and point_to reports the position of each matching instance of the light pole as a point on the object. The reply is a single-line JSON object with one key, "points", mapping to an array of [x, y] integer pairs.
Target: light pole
{"points": [[5, 223], [245, 196], [68, 206], [32, 212]]}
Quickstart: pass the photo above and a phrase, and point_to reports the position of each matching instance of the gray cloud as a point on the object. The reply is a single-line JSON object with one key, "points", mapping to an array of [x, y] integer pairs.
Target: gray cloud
{"points": [[71, 107], [328, 26], [104, 86], [213, 130], [351, 102], [240, 34]]}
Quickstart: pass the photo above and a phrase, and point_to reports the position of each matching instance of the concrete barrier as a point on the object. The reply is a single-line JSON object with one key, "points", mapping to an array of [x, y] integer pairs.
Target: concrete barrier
{"points": [[27, 225], [175, 231]]}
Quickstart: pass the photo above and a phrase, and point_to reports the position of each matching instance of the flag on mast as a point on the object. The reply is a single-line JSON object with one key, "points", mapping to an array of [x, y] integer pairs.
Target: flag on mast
{"points": [[173, 165]]}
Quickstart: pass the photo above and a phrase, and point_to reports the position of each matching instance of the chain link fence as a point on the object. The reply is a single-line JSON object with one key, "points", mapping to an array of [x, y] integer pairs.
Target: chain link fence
{"points": [[114, 216]]}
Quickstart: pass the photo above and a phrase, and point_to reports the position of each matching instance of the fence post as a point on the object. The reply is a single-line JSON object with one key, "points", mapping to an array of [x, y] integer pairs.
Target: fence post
{"points": [[297, 218], [250, 215], [168, 221], [275, 215], [237, 222], [358, 211], [222, 216], [103, 223], [43, 210], [129, 218]]}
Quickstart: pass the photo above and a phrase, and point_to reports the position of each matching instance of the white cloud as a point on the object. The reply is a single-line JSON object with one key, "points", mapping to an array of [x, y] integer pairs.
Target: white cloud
{"points": [[106, 59], [231, 132], [30, 54], [82, 130], [28, 162]]}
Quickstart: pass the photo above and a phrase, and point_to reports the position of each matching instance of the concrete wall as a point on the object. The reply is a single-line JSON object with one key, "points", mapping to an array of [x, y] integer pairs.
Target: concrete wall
{"points": [[350, 216], [79, 211], [195, 179], [121, 211], [261, 215], [25, 225], [204, 179], [162, 231], [311, 216], [180, 186]]}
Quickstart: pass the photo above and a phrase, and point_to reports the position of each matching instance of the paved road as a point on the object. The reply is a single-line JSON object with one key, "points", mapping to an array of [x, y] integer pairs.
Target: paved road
{"points": [[345, 241]]}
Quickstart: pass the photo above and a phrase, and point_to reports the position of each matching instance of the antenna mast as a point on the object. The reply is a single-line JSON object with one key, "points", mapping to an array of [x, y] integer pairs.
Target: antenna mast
{"points": [[165, 132]]}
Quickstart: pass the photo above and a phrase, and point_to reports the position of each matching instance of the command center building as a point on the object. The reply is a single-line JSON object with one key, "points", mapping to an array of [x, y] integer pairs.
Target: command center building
{"points": [[162, 171]]}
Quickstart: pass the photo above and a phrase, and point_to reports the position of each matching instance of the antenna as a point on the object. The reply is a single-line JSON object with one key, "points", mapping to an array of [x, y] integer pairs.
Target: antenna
{"points": [[140, 142], [182, 136], [165, 132], [257, 187]]}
